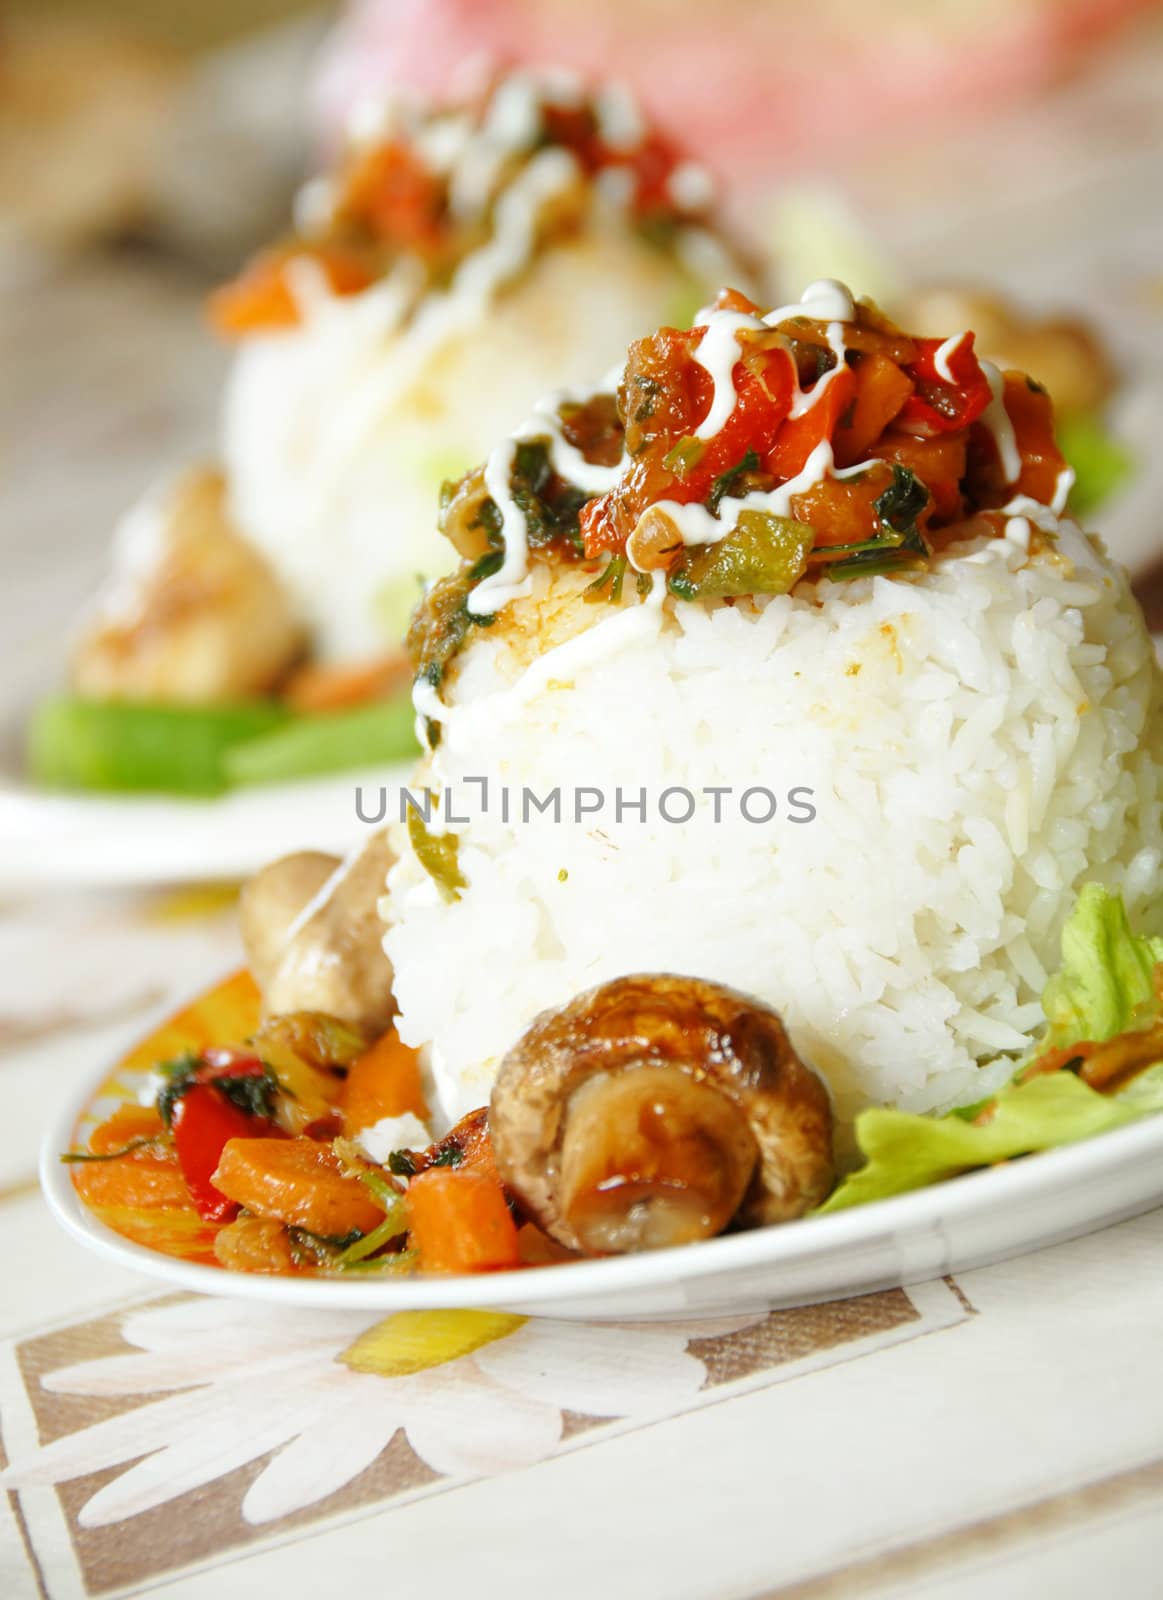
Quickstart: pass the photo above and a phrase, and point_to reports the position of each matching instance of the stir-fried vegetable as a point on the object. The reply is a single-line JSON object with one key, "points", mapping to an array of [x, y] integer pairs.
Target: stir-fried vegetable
{"points": [[763, 555], [333, 741], [192, 750], [389, 198], [88, 744], [438, 854], [383, 1082], [461, 1223]]}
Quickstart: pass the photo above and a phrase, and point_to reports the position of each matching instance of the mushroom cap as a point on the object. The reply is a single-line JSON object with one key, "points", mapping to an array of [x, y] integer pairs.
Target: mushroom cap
{"points": [[714, 1035], [314, 936]]}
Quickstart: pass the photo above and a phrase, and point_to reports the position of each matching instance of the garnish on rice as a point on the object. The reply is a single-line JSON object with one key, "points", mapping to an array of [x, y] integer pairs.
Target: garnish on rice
{"points": [[750, 451]]}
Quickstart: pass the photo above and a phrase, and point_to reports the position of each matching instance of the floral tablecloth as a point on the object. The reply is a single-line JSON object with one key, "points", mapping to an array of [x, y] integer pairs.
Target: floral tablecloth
{"points": [[1000, 1433]]}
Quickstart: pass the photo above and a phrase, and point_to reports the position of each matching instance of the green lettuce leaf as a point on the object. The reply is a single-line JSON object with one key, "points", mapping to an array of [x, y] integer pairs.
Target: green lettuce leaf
{"points": [[1102, 465], [1103, 988], [906, 1152]]}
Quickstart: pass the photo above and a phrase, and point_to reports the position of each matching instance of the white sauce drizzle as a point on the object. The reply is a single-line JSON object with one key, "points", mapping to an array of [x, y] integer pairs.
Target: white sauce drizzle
{"points": [[512, 580], [515, 233], [996, 418], [945, 354], [690, 186], [718, 351], [567, 460], [826, 300]]}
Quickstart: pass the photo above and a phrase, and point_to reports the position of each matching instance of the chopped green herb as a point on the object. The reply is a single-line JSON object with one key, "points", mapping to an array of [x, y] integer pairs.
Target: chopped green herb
{"points": [[451, 1156], [650, 389], [316, 1249], [438, 854], [610, 579], [873, 563], [726, 481], [400, 1162], [551, 506], [394, 1226], [72, 1156], [178, 1075], [901, 504]]}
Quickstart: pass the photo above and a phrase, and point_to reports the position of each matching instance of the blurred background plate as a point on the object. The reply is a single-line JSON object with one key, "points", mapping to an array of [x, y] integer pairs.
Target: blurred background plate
{"points": [[52, 840]]}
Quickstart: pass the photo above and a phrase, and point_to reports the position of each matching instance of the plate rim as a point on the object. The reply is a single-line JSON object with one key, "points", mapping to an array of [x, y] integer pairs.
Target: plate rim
{"points": [[960, 1197]]}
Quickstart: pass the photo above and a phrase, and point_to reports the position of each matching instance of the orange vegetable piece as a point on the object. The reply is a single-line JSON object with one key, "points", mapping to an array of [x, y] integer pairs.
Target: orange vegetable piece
{"points": [[842, 511], [331, 686], [261, 298], [383, 1082], [459, 1222], [390, 191], [127, 1123], [472, 1138], [145, 1179], [296, 1181], [1032, 414], [799, 436], [881, 390]]}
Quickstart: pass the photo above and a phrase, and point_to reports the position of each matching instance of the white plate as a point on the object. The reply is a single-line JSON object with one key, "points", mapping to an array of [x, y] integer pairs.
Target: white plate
{"points": [[50, 839], [90, 841], [967, 1222]]}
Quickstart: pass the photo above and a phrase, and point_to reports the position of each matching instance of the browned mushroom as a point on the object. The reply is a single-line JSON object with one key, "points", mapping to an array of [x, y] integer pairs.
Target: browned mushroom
{"points": [[656, 1110], [313, 936]]}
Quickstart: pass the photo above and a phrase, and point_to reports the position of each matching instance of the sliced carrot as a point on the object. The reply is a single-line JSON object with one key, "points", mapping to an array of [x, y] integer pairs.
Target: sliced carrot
{"points": [[383, 1082], [459, 1222], [331, 686], [147, 1178], [296, 1181], [128, 1123]]}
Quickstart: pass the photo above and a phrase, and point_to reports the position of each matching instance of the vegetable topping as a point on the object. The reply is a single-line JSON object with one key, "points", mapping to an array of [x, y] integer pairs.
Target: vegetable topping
{"points": [[747, 452], [431, 188]]}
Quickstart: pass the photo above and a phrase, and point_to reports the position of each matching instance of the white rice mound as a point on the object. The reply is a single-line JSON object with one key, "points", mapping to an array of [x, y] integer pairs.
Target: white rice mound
{"points": [[337, 435], [980, 740]]}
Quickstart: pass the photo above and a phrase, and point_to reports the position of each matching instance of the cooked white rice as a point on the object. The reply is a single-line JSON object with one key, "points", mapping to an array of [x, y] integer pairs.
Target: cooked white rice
{"points": [[338, 435], [980, 740]]}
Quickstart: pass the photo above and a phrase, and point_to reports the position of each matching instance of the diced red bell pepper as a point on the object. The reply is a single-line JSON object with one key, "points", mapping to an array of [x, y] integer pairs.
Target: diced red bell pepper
{"points": [[939, 406], [800, 435], [261, 298], [203, 1120]]}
